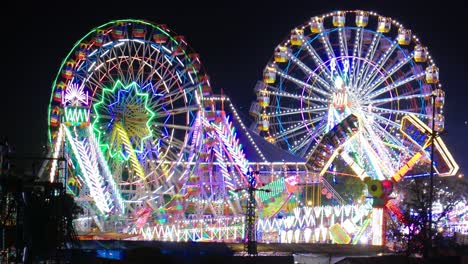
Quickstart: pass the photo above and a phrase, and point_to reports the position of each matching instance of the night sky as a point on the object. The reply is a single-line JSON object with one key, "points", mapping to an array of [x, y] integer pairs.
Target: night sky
{"points": [[235, 40]]}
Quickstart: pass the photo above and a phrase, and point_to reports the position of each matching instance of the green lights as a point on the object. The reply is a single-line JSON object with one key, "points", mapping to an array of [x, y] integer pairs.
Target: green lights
{"points": [[127, 115], [75, 116]]}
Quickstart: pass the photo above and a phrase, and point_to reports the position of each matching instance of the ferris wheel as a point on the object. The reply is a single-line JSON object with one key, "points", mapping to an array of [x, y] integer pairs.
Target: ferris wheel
{"points": [[339, 87], [125, 101]]}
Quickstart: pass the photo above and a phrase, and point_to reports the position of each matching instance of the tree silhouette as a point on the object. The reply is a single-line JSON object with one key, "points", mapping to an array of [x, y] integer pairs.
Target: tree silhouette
{"points": [[413, 198]]}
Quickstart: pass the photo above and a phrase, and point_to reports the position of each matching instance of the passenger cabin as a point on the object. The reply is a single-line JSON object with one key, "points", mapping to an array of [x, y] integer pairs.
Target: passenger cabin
{"points": [[362, 18], [439, 123], [99, 38], [264, 124], [180, 46], [404, 36], [118, 31], [59, 88], [384, 25], [296, 37], [440, 98], [420, 53], [139, 31], [281, 54], [194, 65], [206, 90], [81, 52], [269, 75], [68, 70], [55, 116], [432, 74], [316, 25], [339, 19], [255, 109], [263, 99], [160, 38]]}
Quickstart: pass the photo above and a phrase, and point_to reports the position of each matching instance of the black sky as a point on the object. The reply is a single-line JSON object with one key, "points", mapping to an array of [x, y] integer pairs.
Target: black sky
{"points": [[235, 40]]}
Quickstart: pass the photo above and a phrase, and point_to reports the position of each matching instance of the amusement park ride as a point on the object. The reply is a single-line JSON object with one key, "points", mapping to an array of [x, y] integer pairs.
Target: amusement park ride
{"points": [[151, 151]]}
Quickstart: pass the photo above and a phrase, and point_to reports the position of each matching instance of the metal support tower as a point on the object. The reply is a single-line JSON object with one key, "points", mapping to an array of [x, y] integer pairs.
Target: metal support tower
{"points": [[428, 245], [250, 239]]}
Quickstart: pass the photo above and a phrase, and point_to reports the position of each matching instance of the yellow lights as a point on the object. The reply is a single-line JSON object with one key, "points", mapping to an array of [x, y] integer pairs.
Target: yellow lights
{"points": [[420, 53], [362, 18], [447, 161], [339, 235], [120, 133], [339, 19], [281, 54], [446, 165], [403, 170], [432, 74], [263, 99], [316, 25], [269, 75], [384, 24], [404, 36]]}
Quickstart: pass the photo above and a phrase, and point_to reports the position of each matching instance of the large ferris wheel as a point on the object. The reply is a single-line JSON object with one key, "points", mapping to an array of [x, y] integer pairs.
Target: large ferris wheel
{"points": [[147, 144], [125, 101], [144, 140], [339, 87]]}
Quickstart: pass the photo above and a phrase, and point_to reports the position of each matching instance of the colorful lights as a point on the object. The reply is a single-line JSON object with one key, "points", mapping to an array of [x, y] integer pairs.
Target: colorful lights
{"points": [[86, 158], [75, 95], [57, 148], [76, 116], [124, 117], [144, 149]]}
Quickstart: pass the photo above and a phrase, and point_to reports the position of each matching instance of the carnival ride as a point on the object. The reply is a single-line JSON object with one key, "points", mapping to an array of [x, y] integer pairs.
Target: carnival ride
{"points": [[362, 94], [151, 151]]}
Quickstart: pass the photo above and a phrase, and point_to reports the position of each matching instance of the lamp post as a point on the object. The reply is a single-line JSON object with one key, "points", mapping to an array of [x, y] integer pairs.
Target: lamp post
{"points": [[250, 239], [431, 183]]}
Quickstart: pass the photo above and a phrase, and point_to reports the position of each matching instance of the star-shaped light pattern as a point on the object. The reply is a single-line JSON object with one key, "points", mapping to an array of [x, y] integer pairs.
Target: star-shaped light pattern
{"points": [[75, 94], [123, 116]]}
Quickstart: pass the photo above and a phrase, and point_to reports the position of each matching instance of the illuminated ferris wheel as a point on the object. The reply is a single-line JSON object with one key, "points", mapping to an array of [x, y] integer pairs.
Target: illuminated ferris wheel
{"points": [[124, 102], [342, 86]]}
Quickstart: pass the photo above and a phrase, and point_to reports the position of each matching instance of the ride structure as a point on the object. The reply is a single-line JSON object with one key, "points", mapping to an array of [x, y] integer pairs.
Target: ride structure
{"points": [[354, 89], [150, 151]]}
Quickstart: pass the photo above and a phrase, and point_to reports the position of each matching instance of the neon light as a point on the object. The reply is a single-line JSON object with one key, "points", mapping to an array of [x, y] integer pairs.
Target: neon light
{"points": [[406, 167], [107, 173], [120, 132], [441, 151], [89, 168], [150, 116], [360, 172], [377, 225], [58, 146], [75, 116], [74, 94]]}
